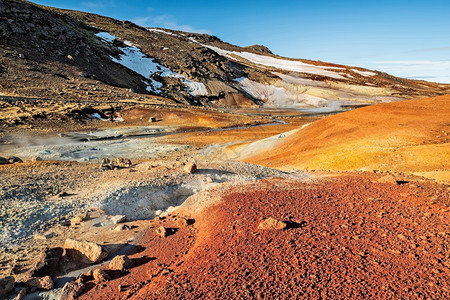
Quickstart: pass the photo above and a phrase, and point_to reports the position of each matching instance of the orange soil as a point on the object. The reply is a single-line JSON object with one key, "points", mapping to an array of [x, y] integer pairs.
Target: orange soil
{"points": [[188, 117], [246, 135], [406, 136], [349, 237]]}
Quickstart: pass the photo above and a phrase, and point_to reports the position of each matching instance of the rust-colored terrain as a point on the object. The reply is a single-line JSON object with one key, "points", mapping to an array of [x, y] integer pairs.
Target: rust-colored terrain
{"points": [[349, 236]]}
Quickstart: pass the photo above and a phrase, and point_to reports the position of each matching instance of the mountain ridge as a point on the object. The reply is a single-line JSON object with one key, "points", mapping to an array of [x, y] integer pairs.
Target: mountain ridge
{"points": [[56, 53]]}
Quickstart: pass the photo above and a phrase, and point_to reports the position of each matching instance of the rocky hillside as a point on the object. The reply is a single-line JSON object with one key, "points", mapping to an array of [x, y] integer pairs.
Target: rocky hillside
{"points": [[50, 53]]}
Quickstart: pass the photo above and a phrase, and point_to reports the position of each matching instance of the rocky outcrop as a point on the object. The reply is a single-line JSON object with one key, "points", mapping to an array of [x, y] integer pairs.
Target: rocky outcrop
{"points": [[84, 252]]}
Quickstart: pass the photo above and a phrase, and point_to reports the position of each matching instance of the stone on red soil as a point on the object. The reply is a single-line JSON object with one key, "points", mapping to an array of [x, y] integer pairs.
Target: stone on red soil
{"points": [[271, 224], [161, 231], [182, 222], [100, 275], [6, 285], [71, 290], [84, 252], [121, 263]]}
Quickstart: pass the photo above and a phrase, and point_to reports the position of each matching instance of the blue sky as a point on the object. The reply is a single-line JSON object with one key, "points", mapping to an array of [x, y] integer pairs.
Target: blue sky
{"points": [[404, 38]]}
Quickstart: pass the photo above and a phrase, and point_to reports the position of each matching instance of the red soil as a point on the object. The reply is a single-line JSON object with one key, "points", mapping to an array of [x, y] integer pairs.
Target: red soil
{"points": [[350, 237]]}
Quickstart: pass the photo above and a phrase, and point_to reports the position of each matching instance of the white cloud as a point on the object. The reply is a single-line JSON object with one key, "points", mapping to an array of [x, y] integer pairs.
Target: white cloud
{"points": [[166, 21], [430, 70]]}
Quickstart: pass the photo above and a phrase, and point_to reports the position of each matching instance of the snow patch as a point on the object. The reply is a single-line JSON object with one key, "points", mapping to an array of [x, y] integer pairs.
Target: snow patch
{"points": [[106, 36], [163, 31], [133, 59], [278, 63], [364, 73], [300, 80], [196, 88]]}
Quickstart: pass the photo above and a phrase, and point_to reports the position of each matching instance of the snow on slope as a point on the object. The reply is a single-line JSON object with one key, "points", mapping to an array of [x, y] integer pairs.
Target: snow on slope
{"points": [[278, 63], [364, 73], [133, 59]]}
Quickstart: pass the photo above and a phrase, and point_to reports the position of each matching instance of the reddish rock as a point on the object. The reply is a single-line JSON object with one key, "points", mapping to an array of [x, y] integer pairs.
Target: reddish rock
{"points": [[100, 275], [271, 224]]}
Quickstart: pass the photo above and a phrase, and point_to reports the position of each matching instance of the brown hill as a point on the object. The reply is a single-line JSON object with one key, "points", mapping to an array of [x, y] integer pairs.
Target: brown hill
{"points": [[50, 53], [406, 136]]}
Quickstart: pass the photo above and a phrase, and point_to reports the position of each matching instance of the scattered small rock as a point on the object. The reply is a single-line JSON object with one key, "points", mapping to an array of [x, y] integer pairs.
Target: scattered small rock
{"points": [[36, 158], [100, 275], [162, 231], [106, 164], [271, 224], [84, 252], [152, 119], [77, 220], [69, 57], [6, 285], [190, 167], [71, 290], [123, 163], [120, 262]]}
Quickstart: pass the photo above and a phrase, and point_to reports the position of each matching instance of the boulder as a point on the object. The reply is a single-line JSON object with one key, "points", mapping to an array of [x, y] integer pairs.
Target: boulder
{"points": [[71, 290], [271, 224], [387, 179], [36, 158], [123, 163], [84, 252], [118, 219], [6, 285], [41, 283], [152, 119], [190, 167], [3, 161], [120, 262], [100, 275]]}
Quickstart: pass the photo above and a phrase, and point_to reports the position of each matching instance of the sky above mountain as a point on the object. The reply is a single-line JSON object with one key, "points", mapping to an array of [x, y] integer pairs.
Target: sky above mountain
{"points": [[406, 38]]}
